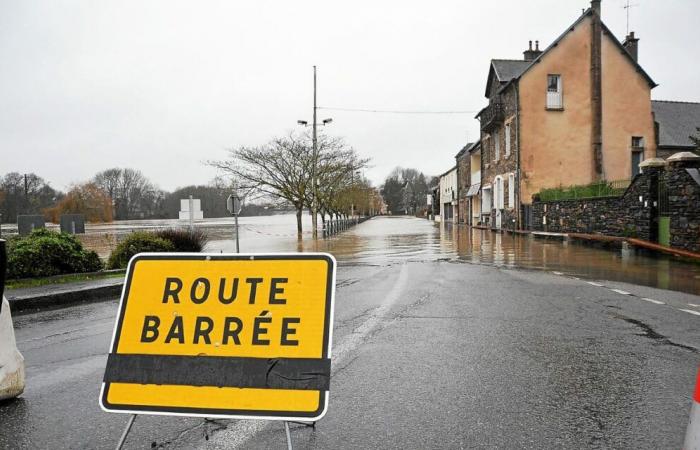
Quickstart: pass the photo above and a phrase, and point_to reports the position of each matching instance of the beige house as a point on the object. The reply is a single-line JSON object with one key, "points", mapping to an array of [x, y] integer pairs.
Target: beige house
{"points": [[574, 113]]}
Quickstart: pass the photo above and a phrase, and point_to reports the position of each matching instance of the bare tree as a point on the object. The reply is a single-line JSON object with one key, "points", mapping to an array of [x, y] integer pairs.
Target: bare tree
{"points": [[282, 168], [132, 194]]}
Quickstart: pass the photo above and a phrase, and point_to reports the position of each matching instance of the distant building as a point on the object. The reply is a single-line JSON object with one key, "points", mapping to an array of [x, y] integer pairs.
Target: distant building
{"points": [[675, 123], [463, 182], [468, 183], [576, 112], [448, 196]]}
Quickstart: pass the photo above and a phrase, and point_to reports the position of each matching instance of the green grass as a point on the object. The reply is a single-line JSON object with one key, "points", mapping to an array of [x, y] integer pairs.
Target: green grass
{"points": [[60, 279], [593, 190]]}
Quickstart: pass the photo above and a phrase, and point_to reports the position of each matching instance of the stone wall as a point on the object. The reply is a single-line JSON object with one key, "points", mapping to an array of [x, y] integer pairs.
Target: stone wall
{"points": [[684, 209], [635, 213]]}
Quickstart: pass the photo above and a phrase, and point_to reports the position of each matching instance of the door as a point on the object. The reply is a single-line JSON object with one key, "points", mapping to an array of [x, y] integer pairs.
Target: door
{"points": [[664, 230], [498, 195]]}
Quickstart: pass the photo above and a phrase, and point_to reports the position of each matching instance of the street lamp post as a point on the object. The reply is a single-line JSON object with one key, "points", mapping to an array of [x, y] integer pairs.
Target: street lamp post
{"points": [[314, 157]]}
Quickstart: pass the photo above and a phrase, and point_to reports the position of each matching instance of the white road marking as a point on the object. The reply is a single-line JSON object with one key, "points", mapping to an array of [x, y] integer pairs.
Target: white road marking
{"points": [[656, 302], [691, 311], [620, 291], [557, 273], [594, 284], [240, 432], [694, 305]]}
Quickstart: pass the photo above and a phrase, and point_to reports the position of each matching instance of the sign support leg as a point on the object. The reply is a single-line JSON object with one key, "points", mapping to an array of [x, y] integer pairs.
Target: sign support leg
{"points": [[120, 444], [238, 250], [289, 436]]}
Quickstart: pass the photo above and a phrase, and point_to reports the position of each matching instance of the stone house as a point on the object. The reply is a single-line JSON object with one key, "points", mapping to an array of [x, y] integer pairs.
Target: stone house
{"points": [[574, 113], [463, 164], [675, 122]]}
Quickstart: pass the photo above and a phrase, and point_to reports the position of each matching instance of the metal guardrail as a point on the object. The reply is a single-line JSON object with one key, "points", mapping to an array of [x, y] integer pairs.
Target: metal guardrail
{"points": [[333, 227], [593, 190]]}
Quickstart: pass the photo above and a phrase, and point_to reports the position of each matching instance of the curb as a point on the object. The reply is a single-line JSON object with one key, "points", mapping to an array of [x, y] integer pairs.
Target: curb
{"points": [[64, 298]]}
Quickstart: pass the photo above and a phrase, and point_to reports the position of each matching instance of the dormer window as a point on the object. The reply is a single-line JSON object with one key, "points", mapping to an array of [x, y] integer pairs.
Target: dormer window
{"points": [[554, 92]]}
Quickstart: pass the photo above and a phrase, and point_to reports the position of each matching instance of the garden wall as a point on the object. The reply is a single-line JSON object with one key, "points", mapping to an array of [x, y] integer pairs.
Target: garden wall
{"points": [[669, 189]]}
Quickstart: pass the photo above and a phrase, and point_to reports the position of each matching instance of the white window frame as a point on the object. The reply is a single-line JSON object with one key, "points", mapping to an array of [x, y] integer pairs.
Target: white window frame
{"points": [[511, 190], [496, 145], [554, 98], [507, 139]]}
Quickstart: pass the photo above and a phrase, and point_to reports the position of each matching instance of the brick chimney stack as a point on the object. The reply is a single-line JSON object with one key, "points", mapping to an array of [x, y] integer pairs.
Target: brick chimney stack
{"points": [[631, 45], [595, 6], [530, 54]]}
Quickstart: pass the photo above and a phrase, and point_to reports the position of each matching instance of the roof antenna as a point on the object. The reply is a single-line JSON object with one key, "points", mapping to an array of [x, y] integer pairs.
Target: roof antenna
{"points": [[627, 8]]}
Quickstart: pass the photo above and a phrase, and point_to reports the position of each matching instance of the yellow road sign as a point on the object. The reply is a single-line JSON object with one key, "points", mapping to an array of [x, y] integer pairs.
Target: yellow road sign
{"points": [[237, 336]]}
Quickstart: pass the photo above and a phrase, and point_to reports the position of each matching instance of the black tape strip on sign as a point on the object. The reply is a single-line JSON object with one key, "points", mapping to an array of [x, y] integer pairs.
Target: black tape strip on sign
{"points": [[271, 373]]}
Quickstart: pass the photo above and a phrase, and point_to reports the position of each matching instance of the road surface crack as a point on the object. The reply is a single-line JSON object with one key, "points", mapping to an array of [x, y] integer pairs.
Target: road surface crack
{"points": [[650, 333]]}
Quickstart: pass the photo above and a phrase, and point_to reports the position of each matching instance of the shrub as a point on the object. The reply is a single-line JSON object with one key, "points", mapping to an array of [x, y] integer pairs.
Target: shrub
{"points": [[593, 190], [45, 253], [184, 240], [138, 242]]}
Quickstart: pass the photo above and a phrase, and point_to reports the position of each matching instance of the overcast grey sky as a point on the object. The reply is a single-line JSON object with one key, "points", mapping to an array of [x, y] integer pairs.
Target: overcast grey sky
{"points": [[163, 85]]}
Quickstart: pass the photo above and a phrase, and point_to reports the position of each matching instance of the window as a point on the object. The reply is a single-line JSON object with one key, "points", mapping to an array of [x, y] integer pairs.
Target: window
{"points": [[637, 142], [554, 93], [511, 190], [637, 153], [507, 140], [486, 200], [637, 158], [496, 145]]}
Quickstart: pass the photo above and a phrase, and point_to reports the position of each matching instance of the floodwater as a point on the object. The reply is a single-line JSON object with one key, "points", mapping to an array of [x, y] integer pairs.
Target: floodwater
{"points": [[395, 238], [385, 240]]}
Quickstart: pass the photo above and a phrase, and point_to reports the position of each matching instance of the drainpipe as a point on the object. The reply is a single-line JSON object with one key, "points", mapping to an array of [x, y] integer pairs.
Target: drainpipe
{"points": [[596, 91], [517, 167]]}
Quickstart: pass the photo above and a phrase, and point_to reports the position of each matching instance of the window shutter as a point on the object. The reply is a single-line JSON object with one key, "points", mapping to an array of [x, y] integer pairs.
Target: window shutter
{"points": [[511, 190], [507, 140]]}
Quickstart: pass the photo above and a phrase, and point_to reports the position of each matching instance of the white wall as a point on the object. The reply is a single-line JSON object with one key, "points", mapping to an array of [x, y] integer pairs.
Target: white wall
{"points": [[448, 190]]}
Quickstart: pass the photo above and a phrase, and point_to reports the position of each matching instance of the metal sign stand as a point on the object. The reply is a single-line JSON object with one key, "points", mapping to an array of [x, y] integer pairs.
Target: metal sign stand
{"points": [[122, 439], [287, 433]]}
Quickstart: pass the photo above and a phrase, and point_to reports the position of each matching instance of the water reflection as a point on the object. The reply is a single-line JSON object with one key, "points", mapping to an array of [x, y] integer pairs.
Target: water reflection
{"points": [[574, 258], [384, 240]]}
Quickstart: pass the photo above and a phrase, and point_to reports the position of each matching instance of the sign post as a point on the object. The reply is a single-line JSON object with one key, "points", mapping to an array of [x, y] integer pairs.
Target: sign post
{"points": [[234, 205], [242, 336]]}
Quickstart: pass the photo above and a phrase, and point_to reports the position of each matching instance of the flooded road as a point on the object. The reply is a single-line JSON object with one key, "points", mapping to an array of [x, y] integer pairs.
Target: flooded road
{"points": [[384, 240]]}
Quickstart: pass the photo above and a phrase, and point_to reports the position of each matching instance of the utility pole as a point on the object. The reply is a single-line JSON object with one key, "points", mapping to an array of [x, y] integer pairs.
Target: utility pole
{"points": [[314, 157], [314, 200]]}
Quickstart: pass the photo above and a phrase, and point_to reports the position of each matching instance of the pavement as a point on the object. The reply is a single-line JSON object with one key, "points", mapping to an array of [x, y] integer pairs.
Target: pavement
{"points": [[426, 354], [52, 295]]}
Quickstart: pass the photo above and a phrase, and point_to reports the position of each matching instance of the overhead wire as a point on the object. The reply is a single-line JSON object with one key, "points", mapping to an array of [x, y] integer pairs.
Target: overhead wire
{"points": [[394, 111]]}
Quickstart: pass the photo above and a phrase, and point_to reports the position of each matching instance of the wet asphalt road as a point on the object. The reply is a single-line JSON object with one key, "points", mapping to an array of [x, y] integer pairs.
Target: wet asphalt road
{"points": [[427, 353]]}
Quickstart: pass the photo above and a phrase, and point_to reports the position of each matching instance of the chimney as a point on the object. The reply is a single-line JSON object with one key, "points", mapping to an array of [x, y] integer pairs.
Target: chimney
{"points": [[595, 6], [631, 45], [530, 54]]}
